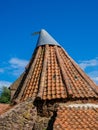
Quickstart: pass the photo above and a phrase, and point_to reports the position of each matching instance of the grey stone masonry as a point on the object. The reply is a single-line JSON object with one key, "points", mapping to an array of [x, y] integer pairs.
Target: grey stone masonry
{"points": [[20, 117]]}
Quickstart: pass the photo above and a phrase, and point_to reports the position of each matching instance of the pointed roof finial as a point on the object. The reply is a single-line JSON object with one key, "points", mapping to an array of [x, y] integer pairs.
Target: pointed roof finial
{"points": [[46, 38]]}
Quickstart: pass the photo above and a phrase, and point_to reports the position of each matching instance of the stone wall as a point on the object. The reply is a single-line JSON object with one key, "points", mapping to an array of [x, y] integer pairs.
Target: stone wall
{"points": [[41, 123], [20, 117]]}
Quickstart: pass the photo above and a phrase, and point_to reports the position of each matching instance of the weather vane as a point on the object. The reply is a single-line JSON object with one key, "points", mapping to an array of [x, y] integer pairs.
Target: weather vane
{"points": [[35, 33]]}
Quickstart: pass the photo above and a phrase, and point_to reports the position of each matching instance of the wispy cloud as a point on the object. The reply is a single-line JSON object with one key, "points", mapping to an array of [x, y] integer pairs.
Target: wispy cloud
{"points": [[17, 66], [13, 67], [4, 83], [93, 65], [88, 63], [94, 75], [1, 70], [16, 62]]}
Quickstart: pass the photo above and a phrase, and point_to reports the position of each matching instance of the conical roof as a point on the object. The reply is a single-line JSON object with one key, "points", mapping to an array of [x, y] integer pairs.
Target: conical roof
{"points": [[53, 74]]}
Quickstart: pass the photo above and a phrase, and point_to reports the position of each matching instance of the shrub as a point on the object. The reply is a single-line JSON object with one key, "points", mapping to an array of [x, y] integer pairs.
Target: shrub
{"points": [[5, 95]]}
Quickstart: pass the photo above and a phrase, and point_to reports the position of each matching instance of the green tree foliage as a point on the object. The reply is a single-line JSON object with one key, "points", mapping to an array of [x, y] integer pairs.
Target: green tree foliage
{"points": [[5, 96]]}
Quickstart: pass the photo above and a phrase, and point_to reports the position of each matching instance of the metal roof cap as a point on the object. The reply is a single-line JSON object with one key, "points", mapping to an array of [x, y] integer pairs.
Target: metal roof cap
{"points": [[46, 38]]}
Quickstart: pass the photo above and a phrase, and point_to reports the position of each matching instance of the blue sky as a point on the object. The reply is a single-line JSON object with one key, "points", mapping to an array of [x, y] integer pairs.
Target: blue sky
{"points": [[73, 23]]}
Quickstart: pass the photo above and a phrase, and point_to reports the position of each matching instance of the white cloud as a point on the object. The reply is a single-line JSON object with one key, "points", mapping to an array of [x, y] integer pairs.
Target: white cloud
{"points": [[88, 63], [94, 76], [13, 66], [95, 79], [17, 72], [16, 62], [1, 70], [5, 83], [93, 71], [17, 66]]}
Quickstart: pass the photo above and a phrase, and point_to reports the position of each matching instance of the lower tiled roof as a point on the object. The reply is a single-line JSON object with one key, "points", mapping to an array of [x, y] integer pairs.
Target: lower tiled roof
{"points": [[76, 118], [4, 108]]}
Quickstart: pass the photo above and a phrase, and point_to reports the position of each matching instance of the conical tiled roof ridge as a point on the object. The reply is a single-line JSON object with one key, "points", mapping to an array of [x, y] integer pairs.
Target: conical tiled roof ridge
{"points": [[53, 74]]}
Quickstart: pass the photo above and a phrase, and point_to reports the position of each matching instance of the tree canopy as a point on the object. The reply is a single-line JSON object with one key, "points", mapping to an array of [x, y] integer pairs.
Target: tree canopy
{"points": [[5, 95]]}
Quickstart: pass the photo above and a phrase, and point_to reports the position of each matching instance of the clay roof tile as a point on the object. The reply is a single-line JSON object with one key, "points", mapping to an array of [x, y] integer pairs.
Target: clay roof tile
{"points": [[53, 74]]}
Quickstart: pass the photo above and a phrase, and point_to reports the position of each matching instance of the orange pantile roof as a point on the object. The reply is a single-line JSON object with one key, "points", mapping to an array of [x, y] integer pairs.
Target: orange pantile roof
{"points": [[76, 118], [4, 108], [53, 74]]}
